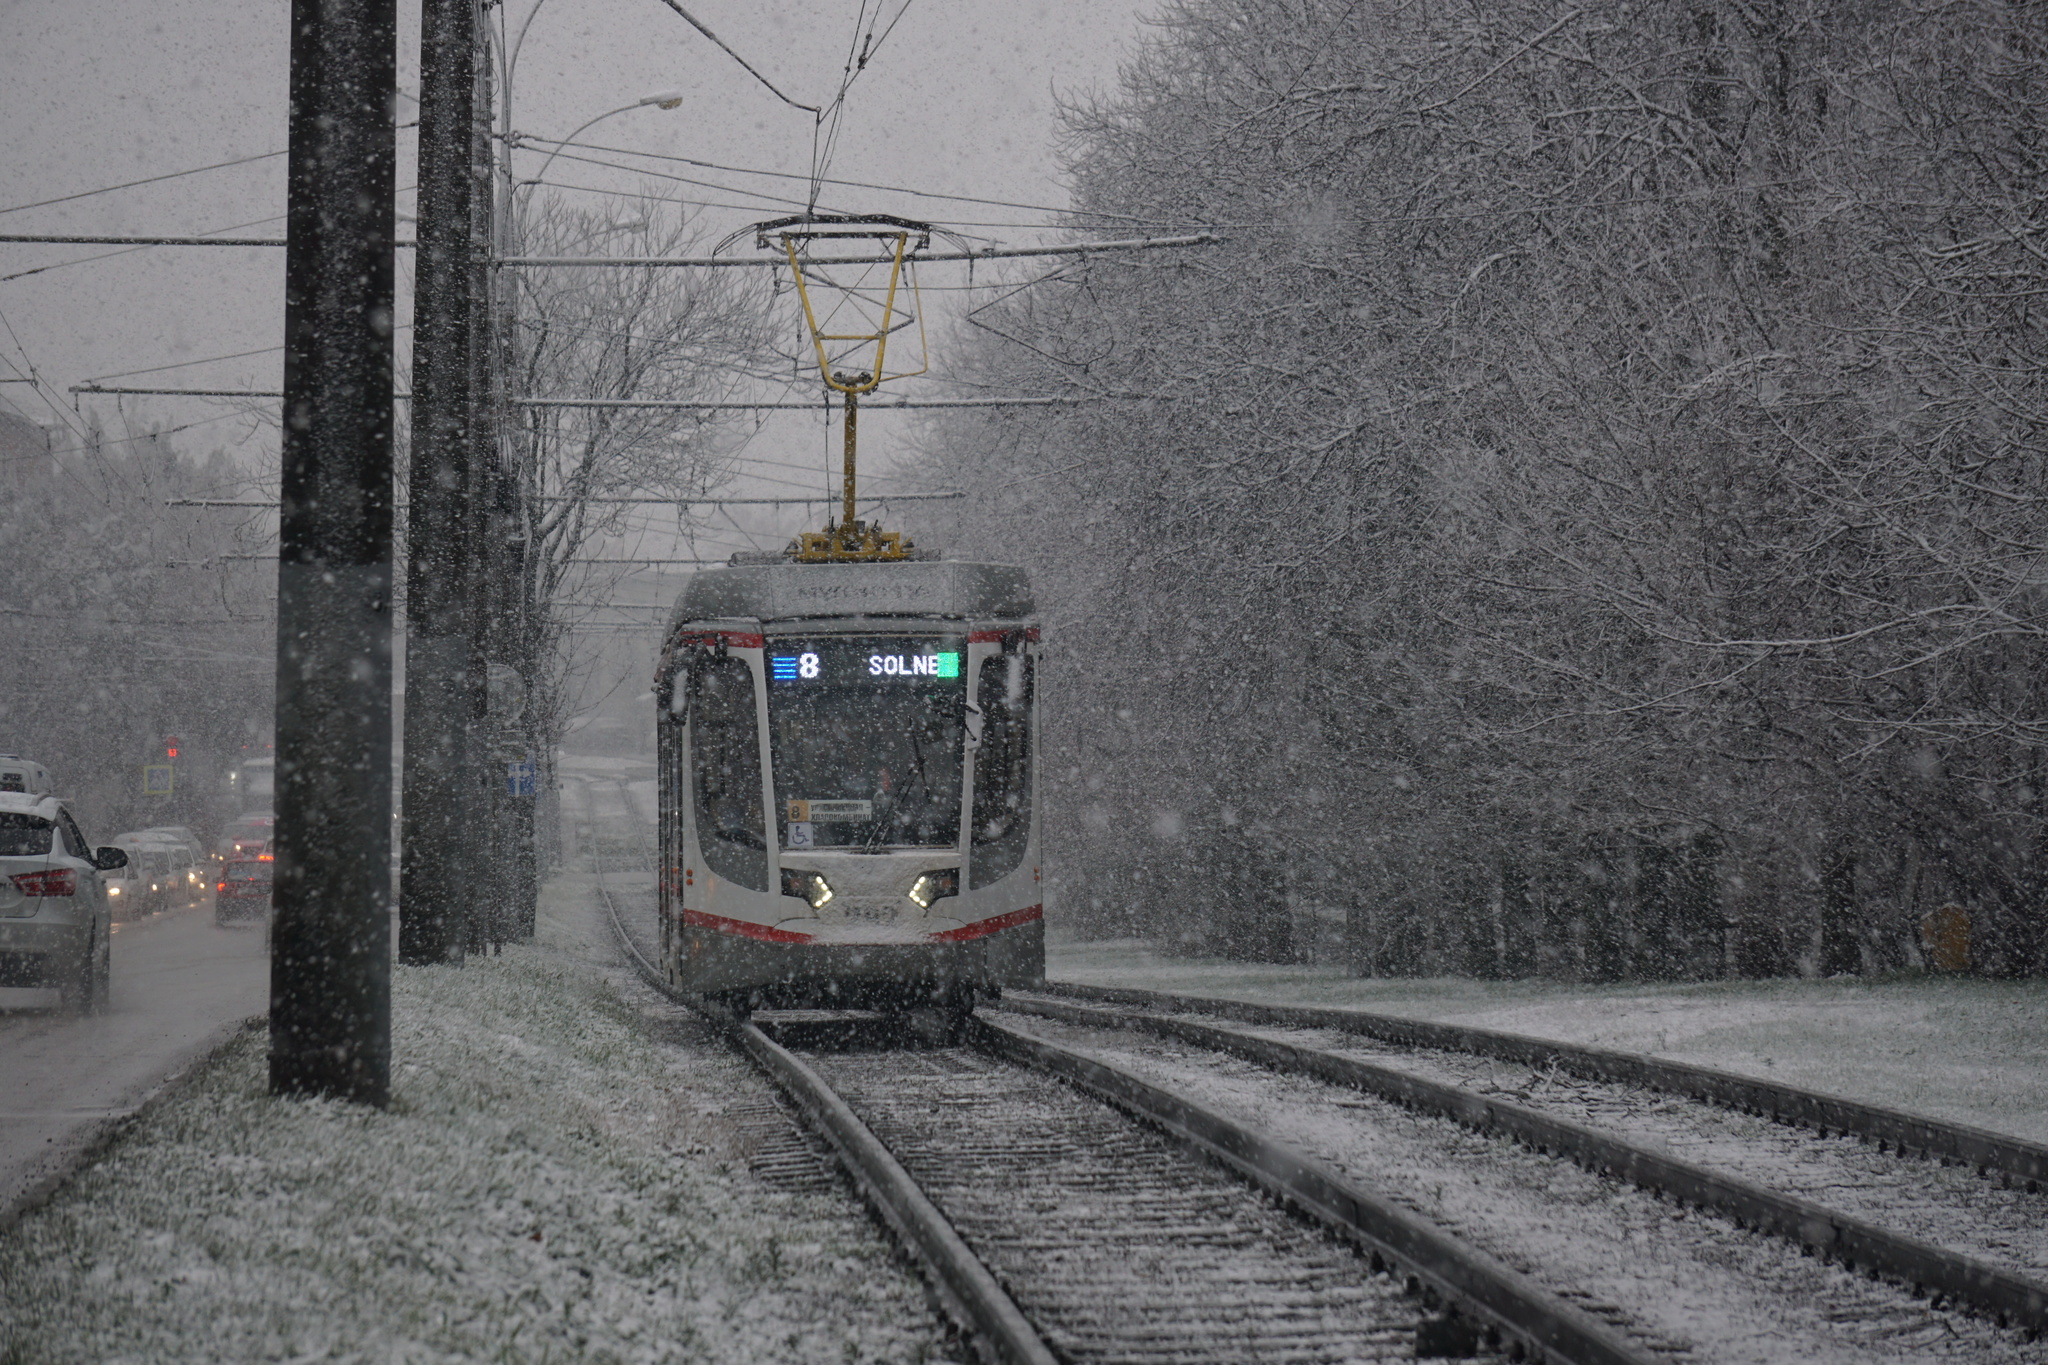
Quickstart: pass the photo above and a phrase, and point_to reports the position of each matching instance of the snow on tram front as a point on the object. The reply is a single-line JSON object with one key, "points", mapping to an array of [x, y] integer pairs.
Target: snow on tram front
{"points": [[848, 766]]}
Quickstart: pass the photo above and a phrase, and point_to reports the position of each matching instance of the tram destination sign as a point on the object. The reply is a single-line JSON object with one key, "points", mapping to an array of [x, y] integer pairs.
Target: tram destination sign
{"points": [[865, 660]]}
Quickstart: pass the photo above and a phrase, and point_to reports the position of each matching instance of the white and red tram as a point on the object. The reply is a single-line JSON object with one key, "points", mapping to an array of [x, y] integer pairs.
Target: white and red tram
{"points": [[849, 764]]}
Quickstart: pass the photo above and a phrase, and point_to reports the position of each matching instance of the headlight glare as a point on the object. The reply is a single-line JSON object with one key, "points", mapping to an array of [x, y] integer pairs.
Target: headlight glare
{"points": [[934, 886], [808, 887]]}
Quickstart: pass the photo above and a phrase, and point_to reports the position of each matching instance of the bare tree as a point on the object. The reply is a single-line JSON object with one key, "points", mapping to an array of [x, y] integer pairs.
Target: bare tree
{"points": [[625, 334], [1610, 448]]}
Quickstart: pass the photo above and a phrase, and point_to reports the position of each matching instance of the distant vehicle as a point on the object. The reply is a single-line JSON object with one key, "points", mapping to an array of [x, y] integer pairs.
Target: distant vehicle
{"points": [[159, 876], [256, 784], [243, 889], [127, 886], [189, 857], [18, 774], [179, 834], [54, 920], [249, 837]]}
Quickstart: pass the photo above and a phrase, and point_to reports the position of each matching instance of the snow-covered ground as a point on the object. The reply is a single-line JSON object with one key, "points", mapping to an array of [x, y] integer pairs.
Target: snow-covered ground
{"points": [[562, 1176], [1966, 1050]]}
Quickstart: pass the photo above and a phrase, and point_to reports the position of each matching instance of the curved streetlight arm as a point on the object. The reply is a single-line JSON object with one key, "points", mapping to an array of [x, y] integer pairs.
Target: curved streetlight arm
{"points": [[664, 99]]}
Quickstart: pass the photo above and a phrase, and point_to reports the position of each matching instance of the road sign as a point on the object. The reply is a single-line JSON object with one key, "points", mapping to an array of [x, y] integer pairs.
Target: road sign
{"points": [[156, 779], [519, 779]]}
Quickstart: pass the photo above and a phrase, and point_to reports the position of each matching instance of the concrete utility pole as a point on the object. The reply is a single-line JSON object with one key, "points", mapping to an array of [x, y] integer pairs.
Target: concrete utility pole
{"points": [[436, 884], [330, 975]]}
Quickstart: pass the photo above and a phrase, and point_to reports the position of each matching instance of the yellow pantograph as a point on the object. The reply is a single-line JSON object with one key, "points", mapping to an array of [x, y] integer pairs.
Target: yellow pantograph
{"points": [[859, 317]]}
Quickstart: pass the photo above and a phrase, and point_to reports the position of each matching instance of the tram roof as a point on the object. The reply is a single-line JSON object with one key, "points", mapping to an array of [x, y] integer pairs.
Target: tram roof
{"points": [[788, 591]]}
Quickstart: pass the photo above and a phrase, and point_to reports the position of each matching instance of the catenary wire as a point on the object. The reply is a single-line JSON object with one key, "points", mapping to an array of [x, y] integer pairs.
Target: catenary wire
{"points": [[695, 23], [850, 184], [148, 180]]}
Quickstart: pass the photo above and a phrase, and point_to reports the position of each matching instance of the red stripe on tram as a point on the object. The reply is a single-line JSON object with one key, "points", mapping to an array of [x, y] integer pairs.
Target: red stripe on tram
{"points": [[732, 639], [697, 919], [996, 637], [983, 928]]}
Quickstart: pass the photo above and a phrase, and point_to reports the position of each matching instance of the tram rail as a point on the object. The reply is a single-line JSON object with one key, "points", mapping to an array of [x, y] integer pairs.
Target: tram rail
{"points": [[2013, 1160], [1444, 1268], [970, 1296], [1471, 1302], [1857, 1244]]}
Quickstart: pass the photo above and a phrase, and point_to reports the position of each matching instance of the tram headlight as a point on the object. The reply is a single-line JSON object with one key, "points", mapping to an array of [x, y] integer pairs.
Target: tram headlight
{"points": [[933, 886], [806, 886]]}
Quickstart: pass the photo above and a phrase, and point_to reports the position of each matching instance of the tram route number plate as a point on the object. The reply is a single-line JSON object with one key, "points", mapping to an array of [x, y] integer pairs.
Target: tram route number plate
{"points": [[805, 812]]}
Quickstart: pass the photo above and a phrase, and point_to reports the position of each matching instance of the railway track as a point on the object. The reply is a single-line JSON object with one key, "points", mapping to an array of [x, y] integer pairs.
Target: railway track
{"points": [[2012, 1161], [1052, 1228], [1132, 1245], [1949, 1237], [1838, 1184]]}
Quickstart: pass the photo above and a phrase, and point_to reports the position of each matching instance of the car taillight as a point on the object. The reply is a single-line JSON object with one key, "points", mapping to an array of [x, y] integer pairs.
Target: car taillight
{"points": [[222, 887], [58, 881]]}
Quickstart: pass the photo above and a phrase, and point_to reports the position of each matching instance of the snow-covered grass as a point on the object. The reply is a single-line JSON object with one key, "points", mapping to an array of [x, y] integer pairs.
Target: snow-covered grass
{"points": [[553, 1182], [1967, 1050]]}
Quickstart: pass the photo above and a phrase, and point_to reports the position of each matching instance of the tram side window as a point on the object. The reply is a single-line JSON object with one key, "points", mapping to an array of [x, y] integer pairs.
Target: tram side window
{"points": [[725, 752], [1002, 769]]}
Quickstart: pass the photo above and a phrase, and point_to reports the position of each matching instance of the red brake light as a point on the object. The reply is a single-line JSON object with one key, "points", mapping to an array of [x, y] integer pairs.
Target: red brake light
{"points": [[58, 881], [266, 857], [222, 887]]}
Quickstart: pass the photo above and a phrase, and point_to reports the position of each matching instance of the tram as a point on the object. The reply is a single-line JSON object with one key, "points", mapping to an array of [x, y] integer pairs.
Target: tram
{"points": [[848, 767], [847, 728]]}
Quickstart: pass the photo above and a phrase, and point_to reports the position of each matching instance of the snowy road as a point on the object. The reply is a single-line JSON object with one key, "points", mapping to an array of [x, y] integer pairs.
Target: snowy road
{"points": [[179, 980]]}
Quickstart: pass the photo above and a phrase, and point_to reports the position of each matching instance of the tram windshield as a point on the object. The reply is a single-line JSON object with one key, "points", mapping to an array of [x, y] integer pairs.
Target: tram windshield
{"points": [[865, 736]]}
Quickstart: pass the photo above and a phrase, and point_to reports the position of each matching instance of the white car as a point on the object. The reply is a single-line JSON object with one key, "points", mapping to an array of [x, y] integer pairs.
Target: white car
{"points": [[18, 774], [181, 836], [160, 875], [54, 923]]}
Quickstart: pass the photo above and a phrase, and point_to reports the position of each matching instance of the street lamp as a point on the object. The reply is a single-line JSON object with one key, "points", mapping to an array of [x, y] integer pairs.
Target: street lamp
{"points": [[660, 99]]}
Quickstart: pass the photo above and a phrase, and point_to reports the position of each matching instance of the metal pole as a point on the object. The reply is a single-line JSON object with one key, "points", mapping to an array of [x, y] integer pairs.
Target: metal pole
{"points": [[485, 379], [441, 521], [483, 775], [330, 972], [505, 640], [846, 475]]}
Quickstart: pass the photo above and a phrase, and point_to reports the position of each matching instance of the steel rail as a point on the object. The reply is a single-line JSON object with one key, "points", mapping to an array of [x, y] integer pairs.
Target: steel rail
{"points": [[2011, 1299], [2015, 1160], [967, 1291], [1488, 1292]]}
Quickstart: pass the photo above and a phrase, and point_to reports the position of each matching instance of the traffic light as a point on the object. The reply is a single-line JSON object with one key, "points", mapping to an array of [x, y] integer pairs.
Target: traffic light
{"points": [[171, 745]]}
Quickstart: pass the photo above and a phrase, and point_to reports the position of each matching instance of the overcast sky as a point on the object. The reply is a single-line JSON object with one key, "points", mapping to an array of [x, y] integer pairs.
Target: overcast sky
{"points": [[960, 99]]}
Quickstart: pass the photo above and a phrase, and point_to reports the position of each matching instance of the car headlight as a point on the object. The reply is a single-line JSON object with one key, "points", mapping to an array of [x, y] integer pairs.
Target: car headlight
{"points": [[113, 891], [934, 886], [806, 886]]}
